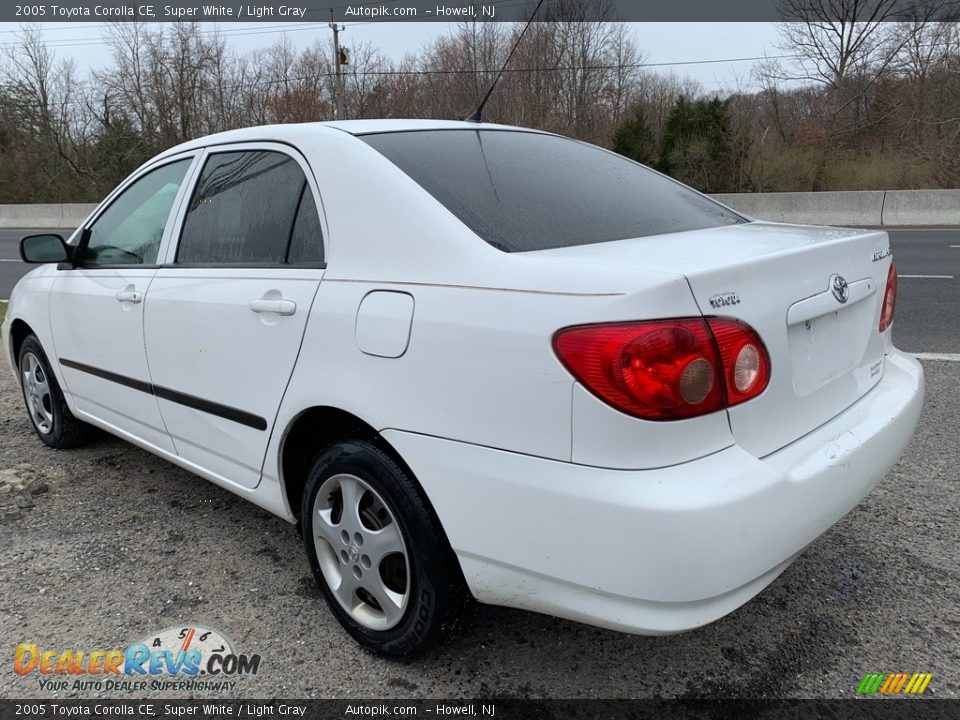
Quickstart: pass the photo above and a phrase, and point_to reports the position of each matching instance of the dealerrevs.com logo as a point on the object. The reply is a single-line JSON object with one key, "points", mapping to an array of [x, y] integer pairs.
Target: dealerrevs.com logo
{"points": [[192, 658]]}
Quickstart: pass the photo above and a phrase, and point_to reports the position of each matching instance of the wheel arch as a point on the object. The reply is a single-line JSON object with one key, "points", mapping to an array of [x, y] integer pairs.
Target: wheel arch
{"points": [[316, 428], [313, 430], [19, 330]]}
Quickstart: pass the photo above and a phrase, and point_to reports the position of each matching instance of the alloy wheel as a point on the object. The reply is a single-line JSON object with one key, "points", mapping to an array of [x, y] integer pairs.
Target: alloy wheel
{"points": [[361, 551], [36, 390]]}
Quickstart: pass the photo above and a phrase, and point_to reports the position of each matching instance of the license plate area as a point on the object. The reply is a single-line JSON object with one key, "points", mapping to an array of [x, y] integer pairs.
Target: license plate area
{"points": [[827, 347]]}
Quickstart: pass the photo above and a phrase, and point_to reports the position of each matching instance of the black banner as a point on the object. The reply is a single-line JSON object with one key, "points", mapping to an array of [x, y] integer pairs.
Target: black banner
{"points": [[893, 709], [42, 11]]}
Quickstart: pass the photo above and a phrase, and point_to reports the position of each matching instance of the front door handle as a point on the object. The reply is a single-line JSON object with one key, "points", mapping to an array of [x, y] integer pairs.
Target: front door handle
{"points": [[131, 296], [280, 307]]}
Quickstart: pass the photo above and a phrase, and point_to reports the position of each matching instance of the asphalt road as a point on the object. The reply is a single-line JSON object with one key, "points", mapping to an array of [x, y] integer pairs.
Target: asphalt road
{"points": [[121, 544], [928, 306], [12, 268], [928, 310]]}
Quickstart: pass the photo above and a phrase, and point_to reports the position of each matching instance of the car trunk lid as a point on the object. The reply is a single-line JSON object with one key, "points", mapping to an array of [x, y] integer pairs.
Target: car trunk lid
{"points": [[784, 281]]}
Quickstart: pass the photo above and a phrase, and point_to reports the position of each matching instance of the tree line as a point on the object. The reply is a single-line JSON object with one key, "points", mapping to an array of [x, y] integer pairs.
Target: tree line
{"points": [[847, 105]]}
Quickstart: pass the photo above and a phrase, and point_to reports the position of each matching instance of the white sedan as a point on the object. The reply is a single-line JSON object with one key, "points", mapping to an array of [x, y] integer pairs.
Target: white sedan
{"points": [[476, 360]]}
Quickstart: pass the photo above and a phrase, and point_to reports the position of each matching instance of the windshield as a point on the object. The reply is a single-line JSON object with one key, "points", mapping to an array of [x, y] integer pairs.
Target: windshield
{"points": [[524, 191]]}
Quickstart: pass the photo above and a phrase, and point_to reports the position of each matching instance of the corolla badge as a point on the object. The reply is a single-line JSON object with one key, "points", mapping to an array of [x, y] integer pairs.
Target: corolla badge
{"points": [[839, 288], [724, 300]]}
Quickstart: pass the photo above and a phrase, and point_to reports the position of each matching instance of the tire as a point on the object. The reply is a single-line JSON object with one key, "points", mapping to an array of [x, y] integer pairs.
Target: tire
{"points": [[51, 418], [408, 592]]}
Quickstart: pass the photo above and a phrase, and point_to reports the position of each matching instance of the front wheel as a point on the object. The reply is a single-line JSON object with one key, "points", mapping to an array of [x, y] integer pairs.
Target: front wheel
{"points": [[52, 420], [378, 552]]}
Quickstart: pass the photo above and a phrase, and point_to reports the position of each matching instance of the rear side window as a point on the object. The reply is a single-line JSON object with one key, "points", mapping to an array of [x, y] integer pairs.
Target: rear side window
{"points": [[306, 240], [523, 191], [244, 210]]}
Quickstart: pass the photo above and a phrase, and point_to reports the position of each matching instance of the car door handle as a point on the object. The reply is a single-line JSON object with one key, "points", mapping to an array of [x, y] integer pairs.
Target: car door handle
{"points": [[280, 307], [131, 296]]}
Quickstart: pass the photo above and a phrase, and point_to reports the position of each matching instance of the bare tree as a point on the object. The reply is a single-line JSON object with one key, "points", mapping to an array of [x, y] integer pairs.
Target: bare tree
{"points": [[836, 40], [47, 103]]}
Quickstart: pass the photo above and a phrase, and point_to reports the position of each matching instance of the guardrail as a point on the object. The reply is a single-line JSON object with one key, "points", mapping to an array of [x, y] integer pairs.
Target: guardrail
{"points": [[47, 215], [867, 207]]}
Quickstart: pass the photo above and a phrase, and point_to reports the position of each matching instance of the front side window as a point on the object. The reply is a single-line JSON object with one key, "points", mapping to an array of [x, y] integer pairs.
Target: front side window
{"points": [[244, 210], [129, 231], [524, 191]]}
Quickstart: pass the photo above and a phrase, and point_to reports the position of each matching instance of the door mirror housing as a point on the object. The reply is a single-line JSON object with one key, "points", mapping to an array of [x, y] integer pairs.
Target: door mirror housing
{"points": [[46, 248]]}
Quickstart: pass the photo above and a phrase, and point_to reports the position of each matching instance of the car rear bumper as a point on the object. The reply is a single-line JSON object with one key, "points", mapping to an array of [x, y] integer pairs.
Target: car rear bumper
{"points": [[657, 551]]}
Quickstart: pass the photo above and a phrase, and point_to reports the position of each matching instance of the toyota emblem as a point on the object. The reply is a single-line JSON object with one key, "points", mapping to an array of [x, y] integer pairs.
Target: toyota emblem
{"points": [[839, 288]]}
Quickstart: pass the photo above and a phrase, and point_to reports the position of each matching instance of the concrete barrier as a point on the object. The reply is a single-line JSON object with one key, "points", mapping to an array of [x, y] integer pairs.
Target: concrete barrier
{"points": [[52, 215], [868, 207], [820, 208], [922, 207]]}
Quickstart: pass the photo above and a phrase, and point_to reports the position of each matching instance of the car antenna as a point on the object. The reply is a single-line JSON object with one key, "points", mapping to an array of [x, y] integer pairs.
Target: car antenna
{"points": [[475, 115]]}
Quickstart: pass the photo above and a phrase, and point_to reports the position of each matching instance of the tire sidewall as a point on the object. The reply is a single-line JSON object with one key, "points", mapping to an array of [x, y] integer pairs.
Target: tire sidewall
{"points": [[32, 345], [422, 617]]}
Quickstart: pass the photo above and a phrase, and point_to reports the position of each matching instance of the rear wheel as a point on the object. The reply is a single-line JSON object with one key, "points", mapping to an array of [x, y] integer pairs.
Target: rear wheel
{"points": [[378, 551], [51, 418]]}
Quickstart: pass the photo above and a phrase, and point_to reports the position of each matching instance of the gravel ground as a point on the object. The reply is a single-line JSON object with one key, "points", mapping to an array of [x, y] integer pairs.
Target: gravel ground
{"points": [[100, 546]]}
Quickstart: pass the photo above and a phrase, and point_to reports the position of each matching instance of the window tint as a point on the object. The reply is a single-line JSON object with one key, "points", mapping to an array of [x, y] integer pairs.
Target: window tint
{"points": [[306, 241], [242, 210], [129, 231], [526, 191]]}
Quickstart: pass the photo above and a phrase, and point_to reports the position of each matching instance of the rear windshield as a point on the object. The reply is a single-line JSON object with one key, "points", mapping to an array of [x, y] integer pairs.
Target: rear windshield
{"points": [[523, 191]]}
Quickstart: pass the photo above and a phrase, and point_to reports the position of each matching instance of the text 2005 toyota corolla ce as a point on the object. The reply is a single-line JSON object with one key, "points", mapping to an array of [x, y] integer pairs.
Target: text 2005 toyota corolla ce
{"points": [[477, 360]]}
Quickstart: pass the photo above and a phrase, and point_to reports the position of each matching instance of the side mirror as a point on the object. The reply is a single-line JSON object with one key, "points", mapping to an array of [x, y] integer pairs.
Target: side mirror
{"points": [[44, 249]]}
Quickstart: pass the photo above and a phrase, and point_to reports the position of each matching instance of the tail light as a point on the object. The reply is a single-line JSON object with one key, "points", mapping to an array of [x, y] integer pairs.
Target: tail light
{"points": [[667, 369], [889, 299], [743, 359]]}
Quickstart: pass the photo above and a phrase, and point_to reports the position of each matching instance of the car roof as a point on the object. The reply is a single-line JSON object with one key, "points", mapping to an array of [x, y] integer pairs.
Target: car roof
{"points": [[363, 127], [292, 132]]}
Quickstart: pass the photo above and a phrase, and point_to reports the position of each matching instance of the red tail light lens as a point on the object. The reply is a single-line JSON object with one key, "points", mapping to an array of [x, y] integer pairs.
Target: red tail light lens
{"points": [[667, 369], [743, 356], [889, 299]]}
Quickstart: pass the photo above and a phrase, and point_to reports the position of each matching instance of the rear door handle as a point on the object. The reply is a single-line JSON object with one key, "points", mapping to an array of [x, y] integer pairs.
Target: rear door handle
{"points": [[280, 307], [131, 296]]}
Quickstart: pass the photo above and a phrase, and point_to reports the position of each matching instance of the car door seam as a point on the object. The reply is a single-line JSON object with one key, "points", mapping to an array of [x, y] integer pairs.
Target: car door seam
{"points": [[293, 369]]}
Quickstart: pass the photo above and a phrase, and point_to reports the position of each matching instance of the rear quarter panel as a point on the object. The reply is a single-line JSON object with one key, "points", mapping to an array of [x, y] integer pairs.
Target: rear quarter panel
{"points": [[480, 368]]}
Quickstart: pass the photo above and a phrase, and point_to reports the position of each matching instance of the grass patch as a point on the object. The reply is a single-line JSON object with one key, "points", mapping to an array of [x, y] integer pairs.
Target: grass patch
{"points": [[3, 310]]}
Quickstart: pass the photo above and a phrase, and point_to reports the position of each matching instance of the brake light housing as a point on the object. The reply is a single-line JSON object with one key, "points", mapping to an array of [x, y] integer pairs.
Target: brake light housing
{"points": [[889, 299], [744, 360], [667, 369]]}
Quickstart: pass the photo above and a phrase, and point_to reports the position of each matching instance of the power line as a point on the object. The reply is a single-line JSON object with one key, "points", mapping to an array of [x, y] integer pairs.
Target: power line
{"points": [[453, 71], [475, 71], [559, 68]]}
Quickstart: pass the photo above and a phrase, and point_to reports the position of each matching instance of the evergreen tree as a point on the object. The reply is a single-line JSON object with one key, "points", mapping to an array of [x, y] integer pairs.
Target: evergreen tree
{"points": [[699, 145], [634, 139]]}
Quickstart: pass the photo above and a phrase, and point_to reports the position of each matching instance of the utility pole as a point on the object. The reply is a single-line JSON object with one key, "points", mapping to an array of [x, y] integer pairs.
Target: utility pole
{"points": [[338, 91]]}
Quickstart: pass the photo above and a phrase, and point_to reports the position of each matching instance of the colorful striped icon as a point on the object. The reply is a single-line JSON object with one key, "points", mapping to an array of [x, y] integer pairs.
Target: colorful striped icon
{"points": [[894, 683]]}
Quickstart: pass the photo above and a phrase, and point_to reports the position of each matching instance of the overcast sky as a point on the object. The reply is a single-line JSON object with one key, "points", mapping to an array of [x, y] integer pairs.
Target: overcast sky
{"points": [[660, 42]]}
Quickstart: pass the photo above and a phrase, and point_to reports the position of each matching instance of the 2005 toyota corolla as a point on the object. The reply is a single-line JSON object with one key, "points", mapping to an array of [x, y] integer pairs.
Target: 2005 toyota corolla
{"points": [[471, 359]]}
